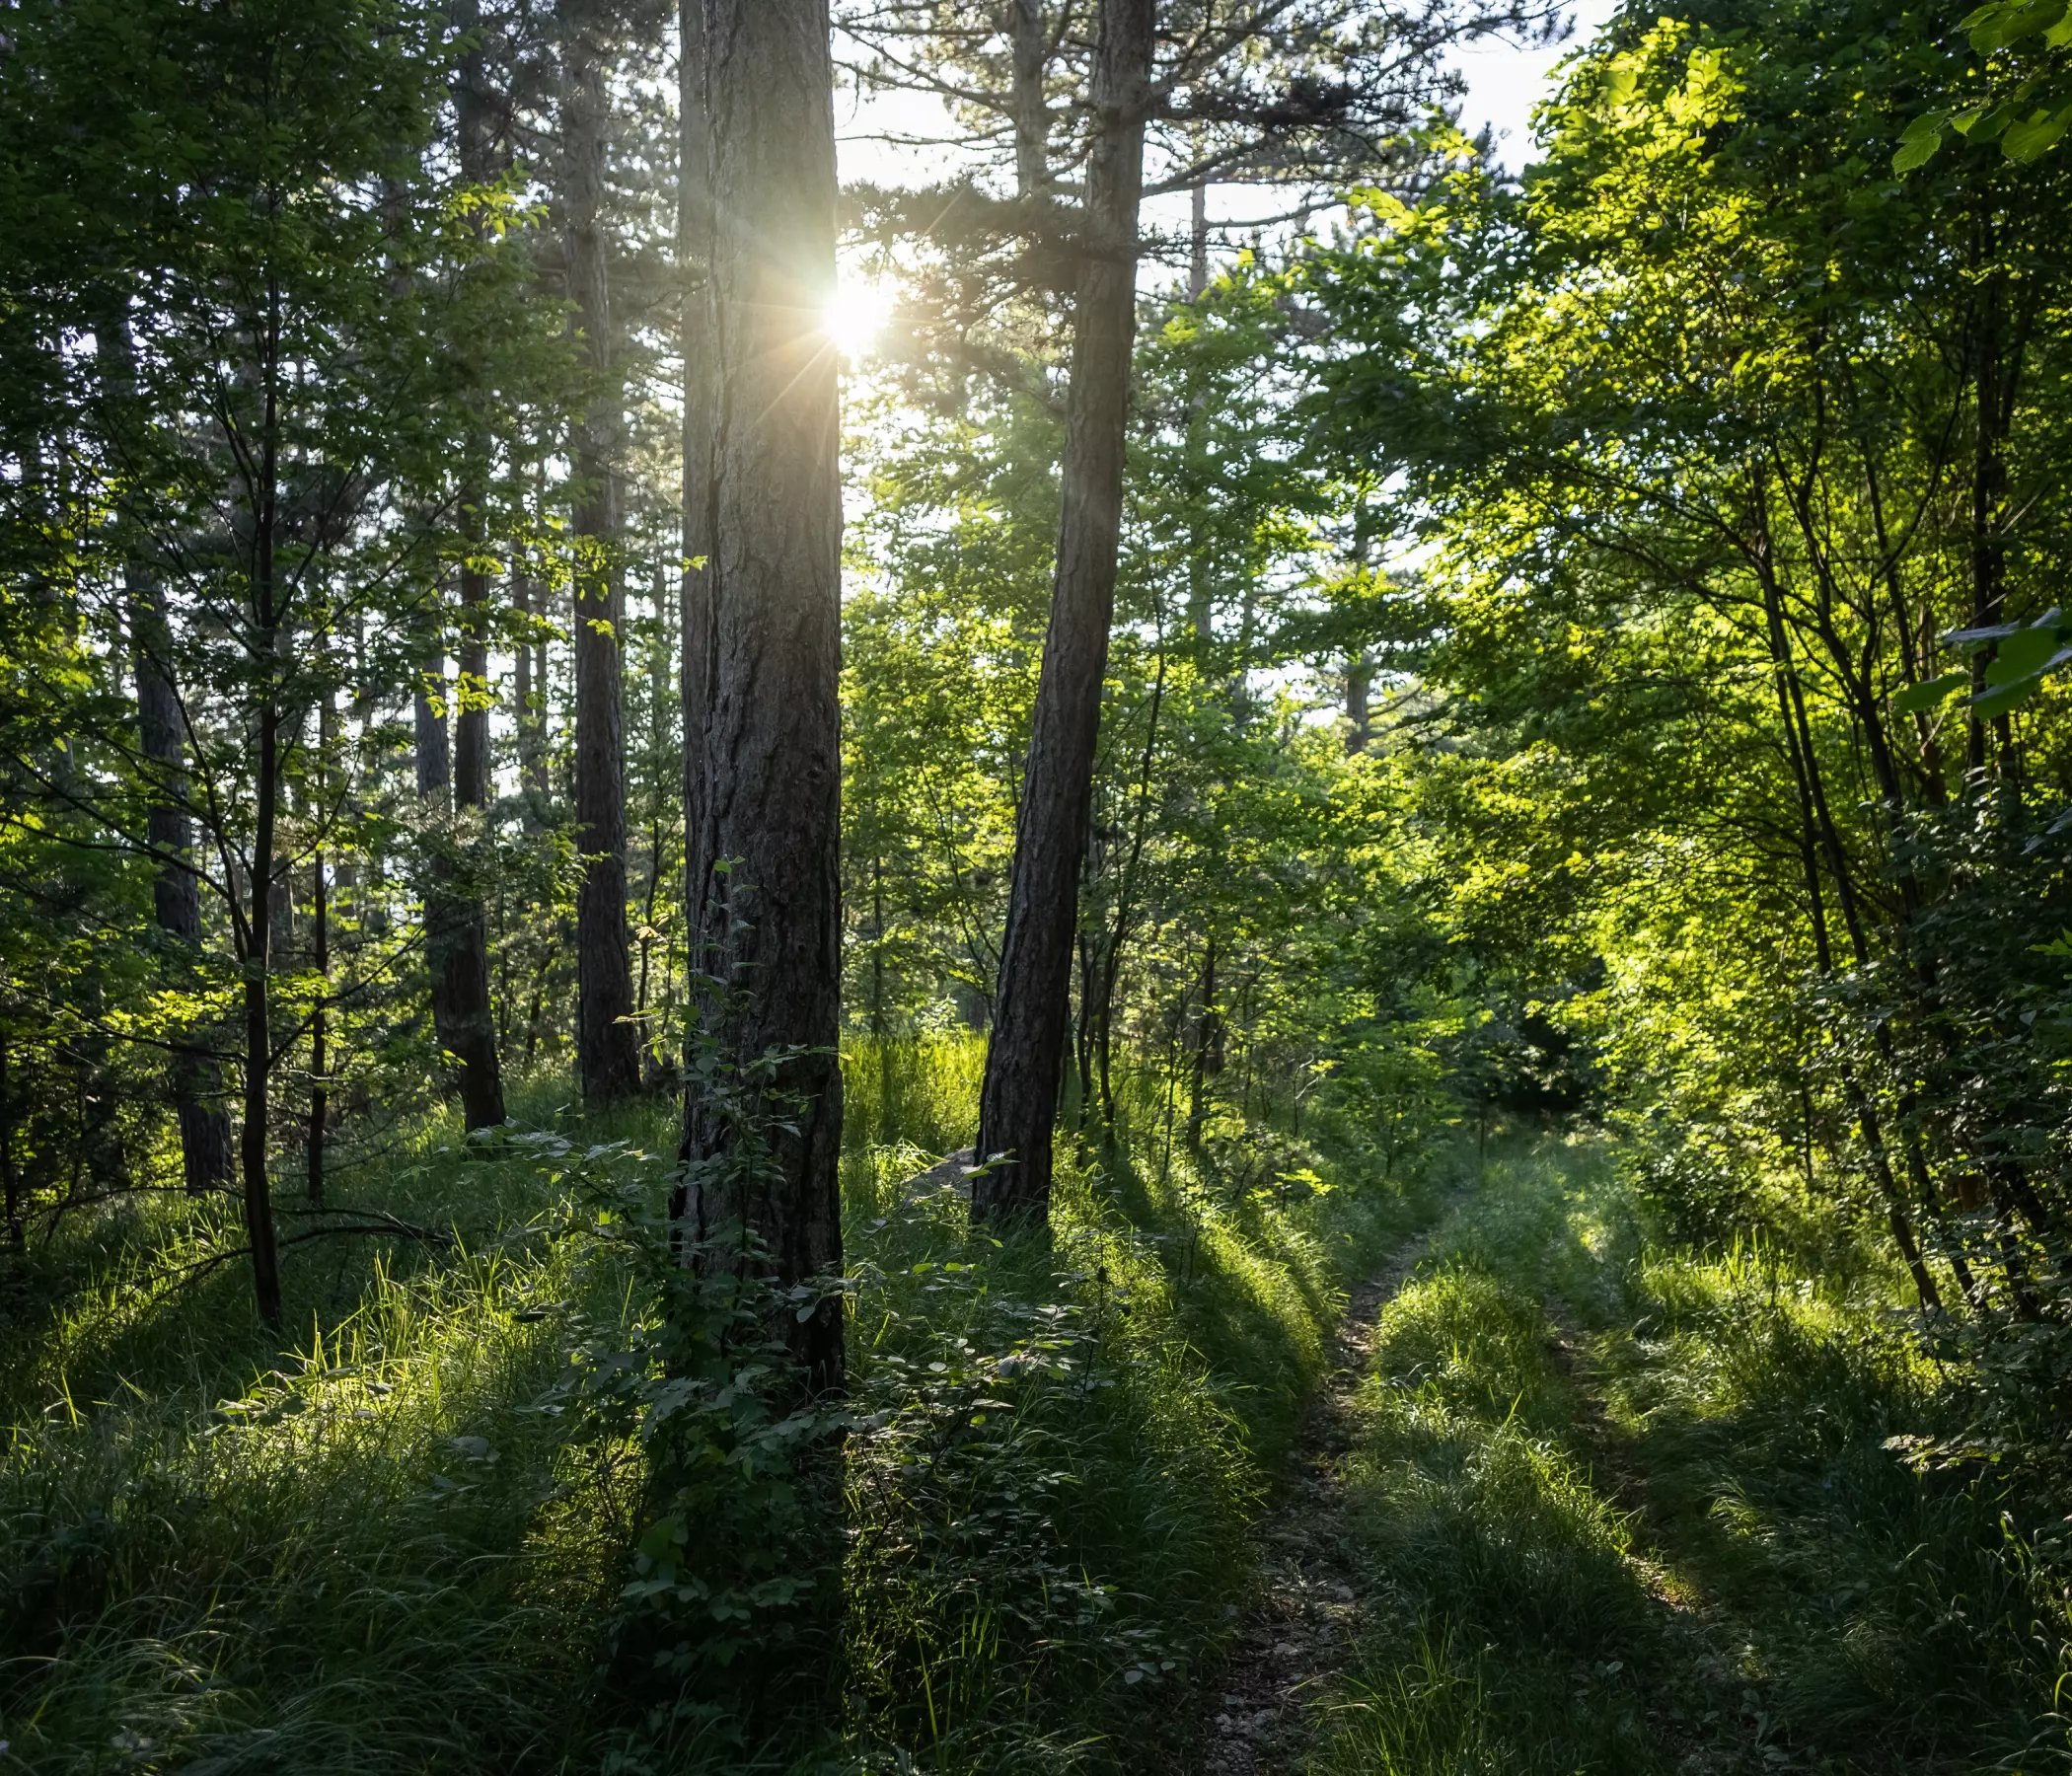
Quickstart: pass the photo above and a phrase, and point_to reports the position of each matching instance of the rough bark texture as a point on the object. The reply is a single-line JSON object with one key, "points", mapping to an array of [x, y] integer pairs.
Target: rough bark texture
{"points": [[763, 813], [1019, 1104], [607, 1050]]}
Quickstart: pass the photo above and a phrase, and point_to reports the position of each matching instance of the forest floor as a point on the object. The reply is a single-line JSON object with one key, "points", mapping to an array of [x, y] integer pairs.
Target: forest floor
{"points": [[1573, 1502], [1298, 1631]]}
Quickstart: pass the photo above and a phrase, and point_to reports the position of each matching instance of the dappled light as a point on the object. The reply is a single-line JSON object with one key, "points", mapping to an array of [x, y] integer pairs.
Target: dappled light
{"points": [[1025, 886]]}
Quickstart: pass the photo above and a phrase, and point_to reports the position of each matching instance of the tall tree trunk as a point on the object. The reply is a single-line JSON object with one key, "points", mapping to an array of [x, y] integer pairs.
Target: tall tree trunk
{"points": [[198, 1082], [319, 1018], [694, 225], [196, 1077], [606, 1049], [763, 815], [1018, 1103], [258, 1020], [459, 936]]}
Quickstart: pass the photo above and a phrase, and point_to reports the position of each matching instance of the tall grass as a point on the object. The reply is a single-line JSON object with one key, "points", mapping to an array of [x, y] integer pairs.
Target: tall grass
{"points": [[1624, 1506], [389, 1544]]}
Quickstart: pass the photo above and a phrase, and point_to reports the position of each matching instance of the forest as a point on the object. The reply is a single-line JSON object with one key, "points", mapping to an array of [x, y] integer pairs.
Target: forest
{"points": [[1003, 886]]}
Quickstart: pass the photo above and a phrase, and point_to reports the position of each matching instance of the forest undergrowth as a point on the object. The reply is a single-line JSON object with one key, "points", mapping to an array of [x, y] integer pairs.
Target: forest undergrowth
{"points": [[402, 1542], [1623, 1506]]}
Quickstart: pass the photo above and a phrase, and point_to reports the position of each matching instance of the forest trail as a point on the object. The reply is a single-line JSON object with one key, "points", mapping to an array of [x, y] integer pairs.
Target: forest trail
{"points": [[1305, 1607]]}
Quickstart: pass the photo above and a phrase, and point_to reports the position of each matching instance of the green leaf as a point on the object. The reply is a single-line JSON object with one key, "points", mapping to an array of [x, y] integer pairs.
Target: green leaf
{"points": [[2025, 141], [2004, 21], [1917, 150], [2026, 651], [2008, 697], [1925, 696]]}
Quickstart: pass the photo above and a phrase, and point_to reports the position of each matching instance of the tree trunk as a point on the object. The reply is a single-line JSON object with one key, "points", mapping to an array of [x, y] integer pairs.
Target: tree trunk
{"points": [[197, 1079], [1018, 1103], [258, 1024], [1028, 54], [320, 1027], [1360, 683], [458, 937], [10, 1181], [606, 1049], [695, 224], [763, 813], [197, 1083]]}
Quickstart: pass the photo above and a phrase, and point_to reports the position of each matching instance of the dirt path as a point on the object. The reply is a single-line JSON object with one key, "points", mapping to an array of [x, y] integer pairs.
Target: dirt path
{"points": [[1297, 1629]]}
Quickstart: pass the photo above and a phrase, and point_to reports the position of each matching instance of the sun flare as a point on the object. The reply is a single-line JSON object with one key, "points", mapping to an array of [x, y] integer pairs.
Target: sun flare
{"points": [[856, 314]]}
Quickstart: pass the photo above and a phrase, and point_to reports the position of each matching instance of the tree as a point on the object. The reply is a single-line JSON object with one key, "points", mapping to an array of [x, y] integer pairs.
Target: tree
{"points": [[607, 1048], [1019, 1099], [763, 824]]}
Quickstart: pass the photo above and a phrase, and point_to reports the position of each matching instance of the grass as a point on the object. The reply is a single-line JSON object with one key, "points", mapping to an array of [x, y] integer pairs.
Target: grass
{"points": [[393, 1542], [1624, 1508]]}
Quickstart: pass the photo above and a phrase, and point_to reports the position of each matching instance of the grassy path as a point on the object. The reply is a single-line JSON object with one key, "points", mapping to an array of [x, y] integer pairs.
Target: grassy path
{"points": [[1299, 1628], [1572, 1503]]}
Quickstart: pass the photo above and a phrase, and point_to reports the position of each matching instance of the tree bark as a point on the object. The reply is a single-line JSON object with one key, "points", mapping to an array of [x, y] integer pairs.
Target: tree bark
{"points": [[1028, 52], [460, 943], [1018, 1107], [198, 1082], [1360, 685], [764, 809], [695, 224], [259, 1021], [606, 1049], [175, 893]]}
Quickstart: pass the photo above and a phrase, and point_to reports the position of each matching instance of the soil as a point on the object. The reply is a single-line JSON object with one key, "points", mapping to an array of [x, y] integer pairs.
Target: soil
{"points": [[1306, 1609]]}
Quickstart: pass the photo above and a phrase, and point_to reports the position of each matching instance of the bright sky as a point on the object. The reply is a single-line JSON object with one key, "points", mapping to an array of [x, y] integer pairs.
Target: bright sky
{"points": [[1503, 84]]}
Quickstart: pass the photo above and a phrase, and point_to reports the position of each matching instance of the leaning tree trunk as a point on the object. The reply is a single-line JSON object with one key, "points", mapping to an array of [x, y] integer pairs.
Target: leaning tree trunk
{"points": [[607, 1052], [1017, 1106], [764, 819]]}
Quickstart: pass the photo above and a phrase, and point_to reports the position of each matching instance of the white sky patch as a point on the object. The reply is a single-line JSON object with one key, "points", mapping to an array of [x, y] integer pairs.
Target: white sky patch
{"points": [[1505, 83]]}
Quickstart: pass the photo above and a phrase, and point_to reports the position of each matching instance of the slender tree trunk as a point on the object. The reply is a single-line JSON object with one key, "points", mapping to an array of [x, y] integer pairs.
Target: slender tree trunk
{"points": [[1360, 685], [1198, 241], [1206, 1040], [320, 1027], [1028, 54], [1814, 819], [763, 820], [10, 1180], [1018, 1103], [1988, 493], [197, 1079], [197, 1083], [457, 930], [259, 1028], [607, 1048], [695, 639]]}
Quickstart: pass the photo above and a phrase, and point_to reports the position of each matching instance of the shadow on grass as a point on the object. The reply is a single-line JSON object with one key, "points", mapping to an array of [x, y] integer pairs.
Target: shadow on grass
{"points": [[1627, 1509]]}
